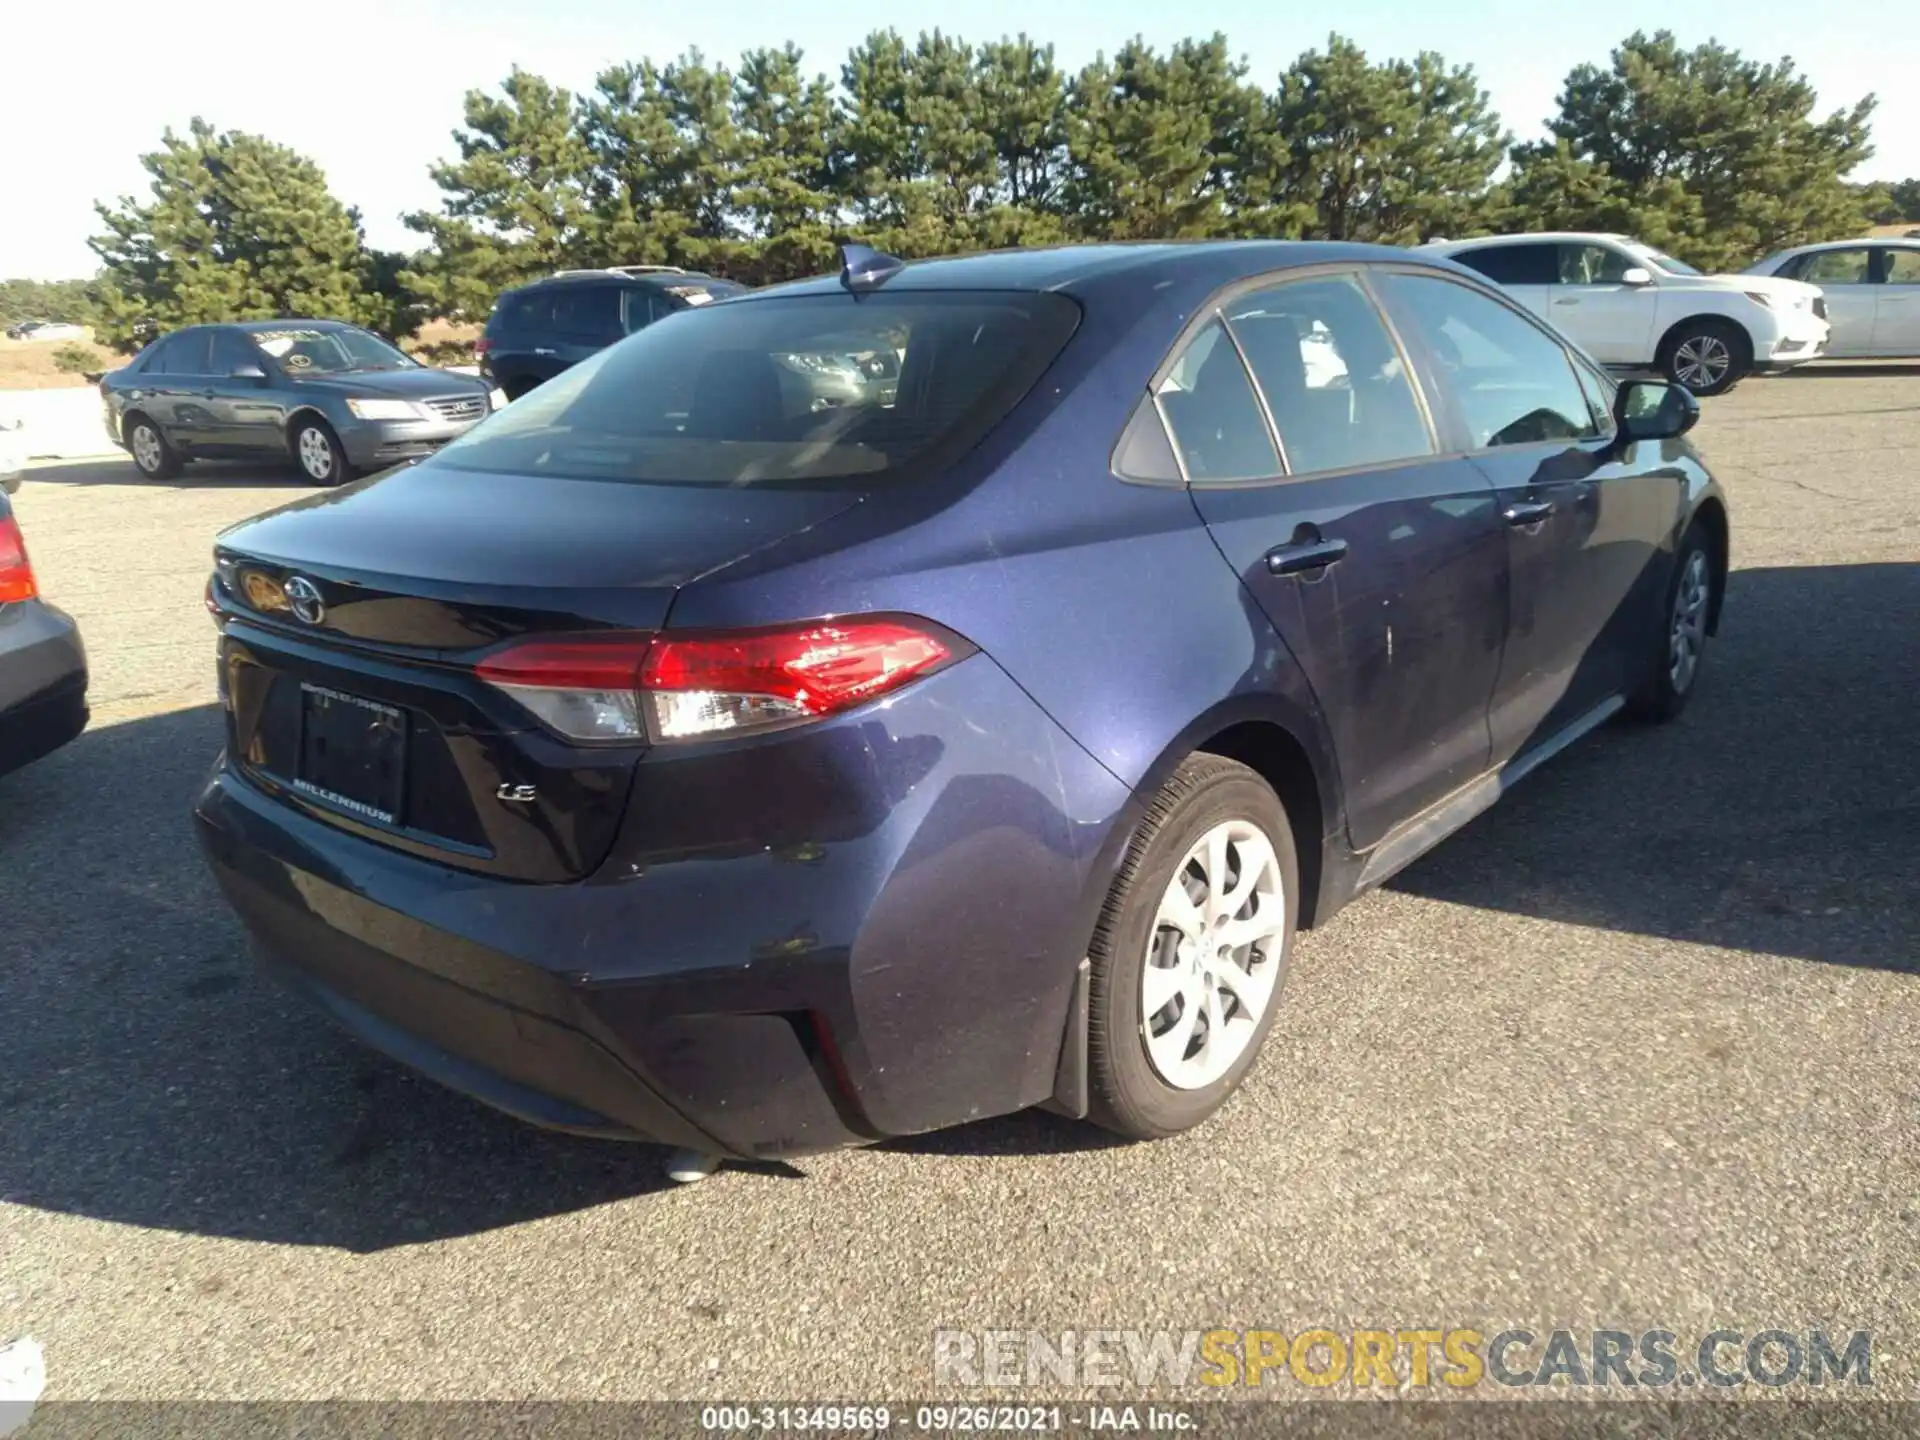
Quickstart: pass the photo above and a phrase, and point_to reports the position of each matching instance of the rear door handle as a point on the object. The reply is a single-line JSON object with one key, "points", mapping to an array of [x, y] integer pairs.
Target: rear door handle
{"points": [[1528, 512], [1569, 300], [541, 350], [1305, 556]]}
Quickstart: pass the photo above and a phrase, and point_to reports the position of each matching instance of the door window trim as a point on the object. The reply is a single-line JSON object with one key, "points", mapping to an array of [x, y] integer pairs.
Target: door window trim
{"points": [[1214, 307]]}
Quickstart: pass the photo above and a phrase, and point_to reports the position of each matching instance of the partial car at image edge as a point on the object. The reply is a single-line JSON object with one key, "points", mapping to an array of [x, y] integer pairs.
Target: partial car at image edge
{"points": [[679, 757], [1872, 290], [43, 664]]}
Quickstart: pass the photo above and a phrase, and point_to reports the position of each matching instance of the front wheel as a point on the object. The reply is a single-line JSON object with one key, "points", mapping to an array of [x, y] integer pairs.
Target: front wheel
{"points": [[1675, 660], [318, 451], [1707, 357], [1190, 951]]}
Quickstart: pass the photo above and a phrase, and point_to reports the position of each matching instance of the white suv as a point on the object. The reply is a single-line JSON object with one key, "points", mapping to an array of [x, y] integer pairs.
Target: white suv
{"points": [[1632, 307]]}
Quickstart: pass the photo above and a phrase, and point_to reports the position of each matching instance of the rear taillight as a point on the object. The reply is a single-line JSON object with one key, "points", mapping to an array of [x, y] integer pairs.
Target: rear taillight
{"points": [[617, 688], [482, 346], [16, 574]]}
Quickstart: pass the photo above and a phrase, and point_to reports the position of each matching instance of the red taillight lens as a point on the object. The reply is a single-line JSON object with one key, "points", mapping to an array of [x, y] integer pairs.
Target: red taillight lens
{"points": [[482, 345], [16, 575], [670, 687]]}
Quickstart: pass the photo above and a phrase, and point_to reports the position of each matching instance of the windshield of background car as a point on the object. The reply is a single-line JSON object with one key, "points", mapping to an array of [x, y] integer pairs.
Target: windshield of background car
{"points": [[1664, 261], [803, 389], [329, 352]]}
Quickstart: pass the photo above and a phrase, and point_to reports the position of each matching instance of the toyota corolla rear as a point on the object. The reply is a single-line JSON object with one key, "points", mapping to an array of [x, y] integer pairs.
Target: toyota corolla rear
{"points": [[489, 805]]}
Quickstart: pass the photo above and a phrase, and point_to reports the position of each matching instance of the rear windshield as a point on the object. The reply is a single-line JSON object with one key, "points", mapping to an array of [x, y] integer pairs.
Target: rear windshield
{"points": [[802, 389]]}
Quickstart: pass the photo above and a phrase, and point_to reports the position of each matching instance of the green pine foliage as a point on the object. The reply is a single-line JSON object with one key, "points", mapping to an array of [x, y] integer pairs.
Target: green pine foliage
{"points": [[936, 145]]}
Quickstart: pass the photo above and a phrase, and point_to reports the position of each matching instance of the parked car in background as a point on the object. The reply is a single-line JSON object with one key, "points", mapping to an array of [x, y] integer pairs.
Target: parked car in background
{"points": [[1634, 308], [38, 330], [43, 665], [540, 329], [670, 758], [337, 399], [1872, 289]]}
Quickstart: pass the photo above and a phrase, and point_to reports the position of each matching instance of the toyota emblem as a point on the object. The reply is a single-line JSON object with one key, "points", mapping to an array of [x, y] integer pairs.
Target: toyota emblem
{"points": [[303, 596]]}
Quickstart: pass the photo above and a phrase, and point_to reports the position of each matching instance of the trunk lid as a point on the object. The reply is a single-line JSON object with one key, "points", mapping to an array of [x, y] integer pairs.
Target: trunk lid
{"points": [[352, 621]]}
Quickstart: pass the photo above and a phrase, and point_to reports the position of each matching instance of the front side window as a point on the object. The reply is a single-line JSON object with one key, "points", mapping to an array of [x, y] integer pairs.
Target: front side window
{"points": [[184, 354], [1332, 376], [1529, 264], [1215, 418], [336, 350], [774, 391], [1509, 383], [1660, 260], [1837, 267], [1903, 267], [231, 350], [1593, 265]]}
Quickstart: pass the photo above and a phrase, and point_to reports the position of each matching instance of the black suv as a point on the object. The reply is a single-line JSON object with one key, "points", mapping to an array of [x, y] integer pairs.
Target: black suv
{"points": [[540, 329]]}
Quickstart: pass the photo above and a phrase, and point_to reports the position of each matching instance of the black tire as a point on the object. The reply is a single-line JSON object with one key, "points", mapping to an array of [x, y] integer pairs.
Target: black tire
{"points": [[1693, 347], [1669, 685], [1129, 1094], [152, 455], [518, 386], [311, 438]]}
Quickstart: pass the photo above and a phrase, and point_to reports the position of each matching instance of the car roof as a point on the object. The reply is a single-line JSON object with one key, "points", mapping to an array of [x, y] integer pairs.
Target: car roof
{"points": [[255, 327], [652, 280], [1071, 268], [1860, 242], [1479, 241]]}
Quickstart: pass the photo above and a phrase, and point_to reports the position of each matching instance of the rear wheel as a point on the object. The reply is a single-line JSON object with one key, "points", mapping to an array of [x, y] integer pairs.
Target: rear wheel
{"points": [[1708, 357], [155, 458], [518, 386], [1674, 670], [1190, 951], [317, 449]]}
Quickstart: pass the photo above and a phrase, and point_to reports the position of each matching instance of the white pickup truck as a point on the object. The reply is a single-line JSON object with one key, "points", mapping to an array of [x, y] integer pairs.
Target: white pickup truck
{"points": [[1632, 307]]}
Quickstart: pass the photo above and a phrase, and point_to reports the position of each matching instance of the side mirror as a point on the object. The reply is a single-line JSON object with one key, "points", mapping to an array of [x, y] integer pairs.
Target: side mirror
{"points": [[248, 372], [1655, 410], [1637, 275]]}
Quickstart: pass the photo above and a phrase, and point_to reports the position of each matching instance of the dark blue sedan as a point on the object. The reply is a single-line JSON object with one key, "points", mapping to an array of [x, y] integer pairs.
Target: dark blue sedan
{"points": [[722, 749]]}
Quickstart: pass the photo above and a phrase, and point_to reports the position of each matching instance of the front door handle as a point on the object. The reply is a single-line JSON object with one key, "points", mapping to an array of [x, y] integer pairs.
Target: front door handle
{"points": [[1305, 556], [1528, 512], [541, 350], [1568, 300]]}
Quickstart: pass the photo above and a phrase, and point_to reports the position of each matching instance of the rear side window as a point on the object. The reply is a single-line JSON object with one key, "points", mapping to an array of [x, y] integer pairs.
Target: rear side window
{"points": [[182, 355], [1215, 418], [1514, 264], [1332, 376], [802, 389], [524, 311], [1506, 379], [588, 312]]}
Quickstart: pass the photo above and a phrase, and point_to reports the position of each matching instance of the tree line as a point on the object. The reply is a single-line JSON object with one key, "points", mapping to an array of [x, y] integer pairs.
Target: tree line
{"points": [[756, 171]]}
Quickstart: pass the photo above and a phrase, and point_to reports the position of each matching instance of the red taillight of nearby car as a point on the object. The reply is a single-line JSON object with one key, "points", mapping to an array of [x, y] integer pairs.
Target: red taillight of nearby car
{"points": [[16, 573], [627, 687], [482, 345]]}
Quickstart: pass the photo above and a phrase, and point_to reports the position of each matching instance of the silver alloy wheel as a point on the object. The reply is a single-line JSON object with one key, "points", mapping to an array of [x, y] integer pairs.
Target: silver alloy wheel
{"points": [[1701, 362], [316, 453], [1214, 955], [146, 448], [1689, 629]]}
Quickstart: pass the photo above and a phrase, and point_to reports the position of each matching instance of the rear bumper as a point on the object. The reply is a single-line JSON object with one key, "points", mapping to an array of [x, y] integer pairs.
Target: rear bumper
{"points": [[891, 949], [43, 682]]}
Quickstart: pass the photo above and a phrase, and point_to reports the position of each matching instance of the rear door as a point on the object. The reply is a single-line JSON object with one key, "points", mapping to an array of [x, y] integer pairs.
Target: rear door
{"points": [[1845, 277], [1896, 328], [587, 318], [1526, 269], [1584, 520], [1614, 321], [1381, 563]]}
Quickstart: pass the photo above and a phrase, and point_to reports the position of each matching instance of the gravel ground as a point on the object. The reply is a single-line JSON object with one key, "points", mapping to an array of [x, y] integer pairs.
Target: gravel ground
{"points": [[1639, 1048]]}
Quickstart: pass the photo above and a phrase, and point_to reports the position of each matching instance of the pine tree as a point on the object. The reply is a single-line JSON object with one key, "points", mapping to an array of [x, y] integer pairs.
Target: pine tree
{"points": [[237, 228]]}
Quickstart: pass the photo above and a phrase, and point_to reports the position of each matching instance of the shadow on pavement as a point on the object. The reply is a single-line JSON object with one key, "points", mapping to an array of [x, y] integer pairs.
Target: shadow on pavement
{"points": [[119, 470], [1780, 815], [150, 1077]]}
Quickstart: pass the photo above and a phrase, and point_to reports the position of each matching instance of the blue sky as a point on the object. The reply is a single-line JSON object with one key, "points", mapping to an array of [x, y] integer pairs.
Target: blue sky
{"points": [[371, 88]]}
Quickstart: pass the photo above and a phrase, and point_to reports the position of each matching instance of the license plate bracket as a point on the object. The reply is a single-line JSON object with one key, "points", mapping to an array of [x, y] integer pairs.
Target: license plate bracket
{"points": [[353, 753]]}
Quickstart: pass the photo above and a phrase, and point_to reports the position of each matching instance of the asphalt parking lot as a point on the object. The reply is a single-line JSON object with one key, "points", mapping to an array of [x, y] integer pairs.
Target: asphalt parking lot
{"points": [[1640, 1048]]}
